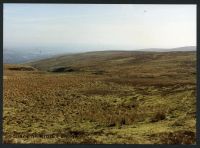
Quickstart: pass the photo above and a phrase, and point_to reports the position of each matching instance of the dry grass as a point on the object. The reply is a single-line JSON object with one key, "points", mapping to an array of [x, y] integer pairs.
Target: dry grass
{"points": [[120, 99]]}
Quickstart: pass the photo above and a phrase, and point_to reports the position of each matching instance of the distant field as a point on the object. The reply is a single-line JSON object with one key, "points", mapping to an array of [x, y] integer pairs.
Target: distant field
{"points": [[108, 97]]}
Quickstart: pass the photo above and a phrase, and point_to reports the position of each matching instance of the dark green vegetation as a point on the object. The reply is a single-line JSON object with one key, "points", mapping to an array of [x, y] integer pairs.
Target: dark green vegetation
{"points": [[102, 97]]}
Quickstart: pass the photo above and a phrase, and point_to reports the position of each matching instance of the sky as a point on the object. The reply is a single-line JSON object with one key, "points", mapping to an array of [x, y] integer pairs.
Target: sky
{"points": [[90, 27]]}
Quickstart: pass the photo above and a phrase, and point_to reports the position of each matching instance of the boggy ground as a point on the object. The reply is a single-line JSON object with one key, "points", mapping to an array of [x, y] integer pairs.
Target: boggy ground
{"points": [[147, 98]]}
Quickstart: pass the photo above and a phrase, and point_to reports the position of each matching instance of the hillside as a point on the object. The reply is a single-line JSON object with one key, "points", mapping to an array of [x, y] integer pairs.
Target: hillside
{"points": [[109, 97], [15, 56], [126, 64]]}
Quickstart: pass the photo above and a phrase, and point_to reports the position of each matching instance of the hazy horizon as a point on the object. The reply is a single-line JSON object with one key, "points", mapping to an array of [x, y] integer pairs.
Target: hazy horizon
{"points": [[93, 27]]}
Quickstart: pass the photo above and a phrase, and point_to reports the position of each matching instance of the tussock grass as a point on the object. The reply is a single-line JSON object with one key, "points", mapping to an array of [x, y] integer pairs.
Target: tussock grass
{"points": [[138, 98]]}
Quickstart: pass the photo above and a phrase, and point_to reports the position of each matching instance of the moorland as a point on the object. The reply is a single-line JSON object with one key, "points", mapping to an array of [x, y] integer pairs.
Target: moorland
{"points": [[105, 97]]}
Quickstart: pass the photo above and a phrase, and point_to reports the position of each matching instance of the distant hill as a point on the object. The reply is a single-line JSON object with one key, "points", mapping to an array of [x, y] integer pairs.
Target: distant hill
{"points": [[23, 56], [106, 60], [11, 56], [186, 48]]}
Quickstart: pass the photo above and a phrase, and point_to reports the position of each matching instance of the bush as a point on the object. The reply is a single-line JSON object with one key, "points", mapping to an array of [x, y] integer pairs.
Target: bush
{"points": [[90, 141], [178, 137], [61, 69], [158, 116]]}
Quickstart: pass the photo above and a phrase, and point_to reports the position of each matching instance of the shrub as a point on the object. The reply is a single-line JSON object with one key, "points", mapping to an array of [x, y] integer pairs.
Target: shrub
{"points": [[158, 116], [90, 141], [178, 137]]}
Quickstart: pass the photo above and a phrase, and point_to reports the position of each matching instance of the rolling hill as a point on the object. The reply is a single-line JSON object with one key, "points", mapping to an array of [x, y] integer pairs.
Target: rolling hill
{"points": [[12, 56], [102, 97]]}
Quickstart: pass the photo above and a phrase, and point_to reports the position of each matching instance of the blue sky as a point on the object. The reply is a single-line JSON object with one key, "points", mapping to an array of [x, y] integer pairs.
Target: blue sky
{"points": [[86, 27]]}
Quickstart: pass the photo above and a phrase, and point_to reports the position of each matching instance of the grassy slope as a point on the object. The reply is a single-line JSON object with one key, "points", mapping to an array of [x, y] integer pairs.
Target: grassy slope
{"points": [[141, 97]]}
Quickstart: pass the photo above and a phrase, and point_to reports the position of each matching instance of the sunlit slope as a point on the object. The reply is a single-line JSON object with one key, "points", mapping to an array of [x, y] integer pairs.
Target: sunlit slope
{"points": [[103, 97], [128, 64]]}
